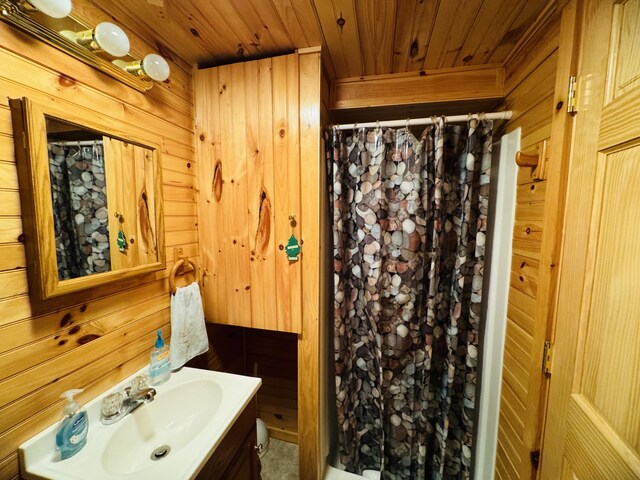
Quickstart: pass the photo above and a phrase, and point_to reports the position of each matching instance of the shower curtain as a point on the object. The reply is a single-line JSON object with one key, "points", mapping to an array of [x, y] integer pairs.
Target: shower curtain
{"points": [[80, 210], [409, 223]]}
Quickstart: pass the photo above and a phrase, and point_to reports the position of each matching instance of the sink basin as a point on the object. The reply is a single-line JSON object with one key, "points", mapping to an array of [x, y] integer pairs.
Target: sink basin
{"points": [[171, 437], [173, 420]]}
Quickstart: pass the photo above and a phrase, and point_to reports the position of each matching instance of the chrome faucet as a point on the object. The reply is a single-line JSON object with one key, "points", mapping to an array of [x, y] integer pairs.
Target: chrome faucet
{"points": [[115, 407]]}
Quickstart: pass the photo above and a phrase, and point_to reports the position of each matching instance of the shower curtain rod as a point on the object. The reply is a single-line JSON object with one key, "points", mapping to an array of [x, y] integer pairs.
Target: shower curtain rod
{"points": [[81, 143], [506, 115]]}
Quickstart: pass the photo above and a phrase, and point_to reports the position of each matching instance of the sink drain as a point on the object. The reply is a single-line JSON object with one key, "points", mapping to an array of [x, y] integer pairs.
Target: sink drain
{"points": [[160, 452]]}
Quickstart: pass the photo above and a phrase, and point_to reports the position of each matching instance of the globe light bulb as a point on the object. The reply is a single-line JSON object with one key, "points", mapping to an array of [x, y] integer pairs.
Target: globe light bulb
{"points": [[155, 67], [53, 8], [112, 39]]}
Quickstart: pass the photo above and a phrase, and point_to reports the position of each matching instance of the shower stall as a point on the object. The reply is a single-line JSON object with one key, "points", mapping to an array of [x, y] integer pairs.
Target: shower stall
{"points": [[420, 276]]}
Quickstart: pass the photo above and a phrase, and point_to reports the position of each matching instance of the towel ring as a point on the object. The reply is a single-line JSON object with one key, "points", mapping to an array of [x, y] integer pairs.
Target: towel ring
{"points": [[172, 276]]}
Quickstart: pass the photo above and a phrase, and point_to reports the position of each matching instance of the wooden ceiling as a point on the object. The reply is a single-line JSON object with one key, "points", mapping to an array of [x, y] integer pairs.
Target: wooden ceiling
{"points": [[360, 37]]}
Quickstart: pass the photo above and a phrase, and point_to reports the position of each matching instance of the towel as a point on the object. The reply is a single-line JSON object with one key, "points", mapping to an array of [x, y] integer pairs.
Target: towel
{"points": [[188, 331]]}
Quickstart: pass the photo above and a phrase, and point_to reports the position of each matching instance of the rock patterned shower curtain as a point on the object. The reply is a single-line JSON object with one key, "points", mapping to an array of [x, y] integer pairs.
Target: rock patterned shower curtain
{"points": [[80, 210], [409, 223]]}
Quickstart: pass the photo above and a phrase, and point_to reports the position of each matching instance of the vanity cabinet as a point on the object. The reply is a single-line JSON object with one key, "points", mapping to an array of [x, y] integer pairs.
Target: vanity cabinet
{"points": [[252, 168], [236, 457]]}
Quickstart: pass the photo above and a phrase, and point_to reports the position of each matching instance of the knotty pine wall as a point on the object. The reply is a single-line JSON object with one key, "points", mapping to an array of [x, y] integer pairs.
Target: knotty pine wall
{"points": [[530, 77], [93, 339]]}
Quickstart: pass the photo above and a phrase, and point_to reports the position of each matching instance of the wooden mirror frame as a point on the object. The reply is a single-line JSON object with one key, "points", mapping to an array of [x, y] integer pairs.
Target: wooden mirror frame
{"points": [[30, 138]]}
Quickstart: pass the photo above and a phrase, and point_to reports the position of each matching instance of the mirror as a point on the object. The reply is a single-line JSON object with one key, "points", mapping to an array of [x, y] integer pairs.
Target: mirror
{"points": [[91, 200]]}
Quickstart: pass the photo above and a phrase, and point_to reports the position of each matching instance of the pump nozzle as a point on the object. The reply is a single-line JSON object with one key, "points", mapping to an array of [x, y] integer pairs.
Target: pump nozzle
{"points": [[159, 340], [71, 405]]}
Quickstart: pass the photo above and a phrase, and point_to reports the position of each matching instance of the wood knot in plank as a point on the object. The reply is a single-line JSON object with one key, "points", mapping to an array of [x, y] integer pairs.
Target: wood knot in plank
{"points": [[87, 338], [66, 320], [217, 182]]}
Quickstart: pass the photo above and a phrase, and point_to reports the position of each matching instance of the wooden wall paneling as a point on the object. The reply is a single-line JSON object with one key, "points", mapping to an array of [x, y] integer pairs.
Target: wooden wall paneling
{"points": [[295, 174], [535, 84], [234, 199], [532, 51], [12, 256], [211, 171], [39, 85], [147, 204], [66, 323], [287, 171], [260, 176], [10, 201], [75, 77], [21, 400], [67, 339], [309, 415], [96, 338], [281, 151], [6, 142], [560, 145], [534, 89], [561, 127], [466, 83], [249, 145]]}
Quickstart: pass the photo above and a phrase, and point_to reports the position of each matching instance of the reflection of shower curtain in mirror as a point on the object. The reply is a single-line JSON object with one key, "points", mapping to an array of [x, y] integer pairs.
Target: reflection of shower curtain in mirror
{"points": [[78, 194]]}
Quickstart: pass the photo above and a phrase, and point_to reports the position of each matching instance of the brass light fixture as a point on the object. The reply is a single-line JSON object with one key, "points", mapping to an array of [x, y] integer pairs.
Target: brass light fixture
{"points": [[54, 22], [106, 37], [52, 8], [153, 66]]}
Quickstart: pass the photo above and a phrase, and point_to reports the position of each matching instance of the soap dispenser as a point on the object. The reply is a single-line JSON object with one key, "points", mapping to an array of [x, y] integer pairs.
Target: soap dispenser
{"points": [[73, 428], [160, 365]]}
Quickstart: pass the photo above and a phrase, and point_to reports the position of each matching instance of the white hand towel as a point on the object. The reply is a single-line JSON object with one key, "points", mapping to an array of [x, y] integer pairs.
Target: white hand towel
{"points": [[188, 331]]}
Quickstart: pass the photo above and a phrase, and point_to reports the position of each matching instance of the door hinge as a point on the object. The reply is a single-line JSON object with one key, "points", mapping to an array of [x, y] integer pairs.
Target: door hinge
{"points": [[547, 357], [572, 106], [535, 458]]}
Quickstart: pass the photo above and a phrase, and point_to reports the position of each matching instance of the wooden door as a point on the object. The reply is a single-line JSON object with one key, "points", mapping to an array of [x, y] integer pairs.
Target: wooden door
{"points": [[593, 420], [249, 173]]}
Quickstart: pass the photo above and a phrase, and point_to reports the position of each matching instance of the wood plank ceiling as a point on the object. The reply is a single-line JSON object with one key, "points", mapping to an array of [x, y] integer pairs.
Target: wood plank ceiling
{"points": [[360, 37]]}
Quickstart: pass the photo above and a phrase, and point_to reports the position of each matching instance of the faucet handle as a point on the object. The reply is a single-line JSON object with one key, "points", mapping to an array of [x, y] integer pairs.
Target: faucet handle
{"points": [[138, 383], [111, 405]]}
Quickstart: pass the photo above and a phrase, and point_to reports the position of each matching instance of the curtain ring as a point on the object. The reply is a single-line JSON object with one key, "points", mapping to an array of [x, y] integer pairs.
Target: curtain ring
{"points": [[406, 124], [377, 124]]}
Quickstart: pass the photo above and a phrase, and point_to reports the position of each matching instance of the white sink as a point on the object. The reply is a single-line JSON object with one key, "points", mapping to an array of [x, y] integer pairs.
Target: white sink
{"points": [[190, 415]]}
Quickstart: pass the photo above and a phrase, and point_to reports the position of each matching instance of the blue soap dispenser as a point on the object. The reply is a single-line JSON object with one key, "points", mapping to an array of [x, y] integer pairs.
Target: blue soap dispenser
{"points": [[160, 365], [73, 428]]}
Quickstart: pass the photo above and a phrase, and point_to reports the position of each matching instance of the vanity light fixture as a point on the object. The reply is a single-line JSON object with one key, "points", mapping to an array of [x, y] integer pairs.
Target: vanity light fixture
{"points": [[52, 8], [152, 66], [106, 36], [40, 18]]}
